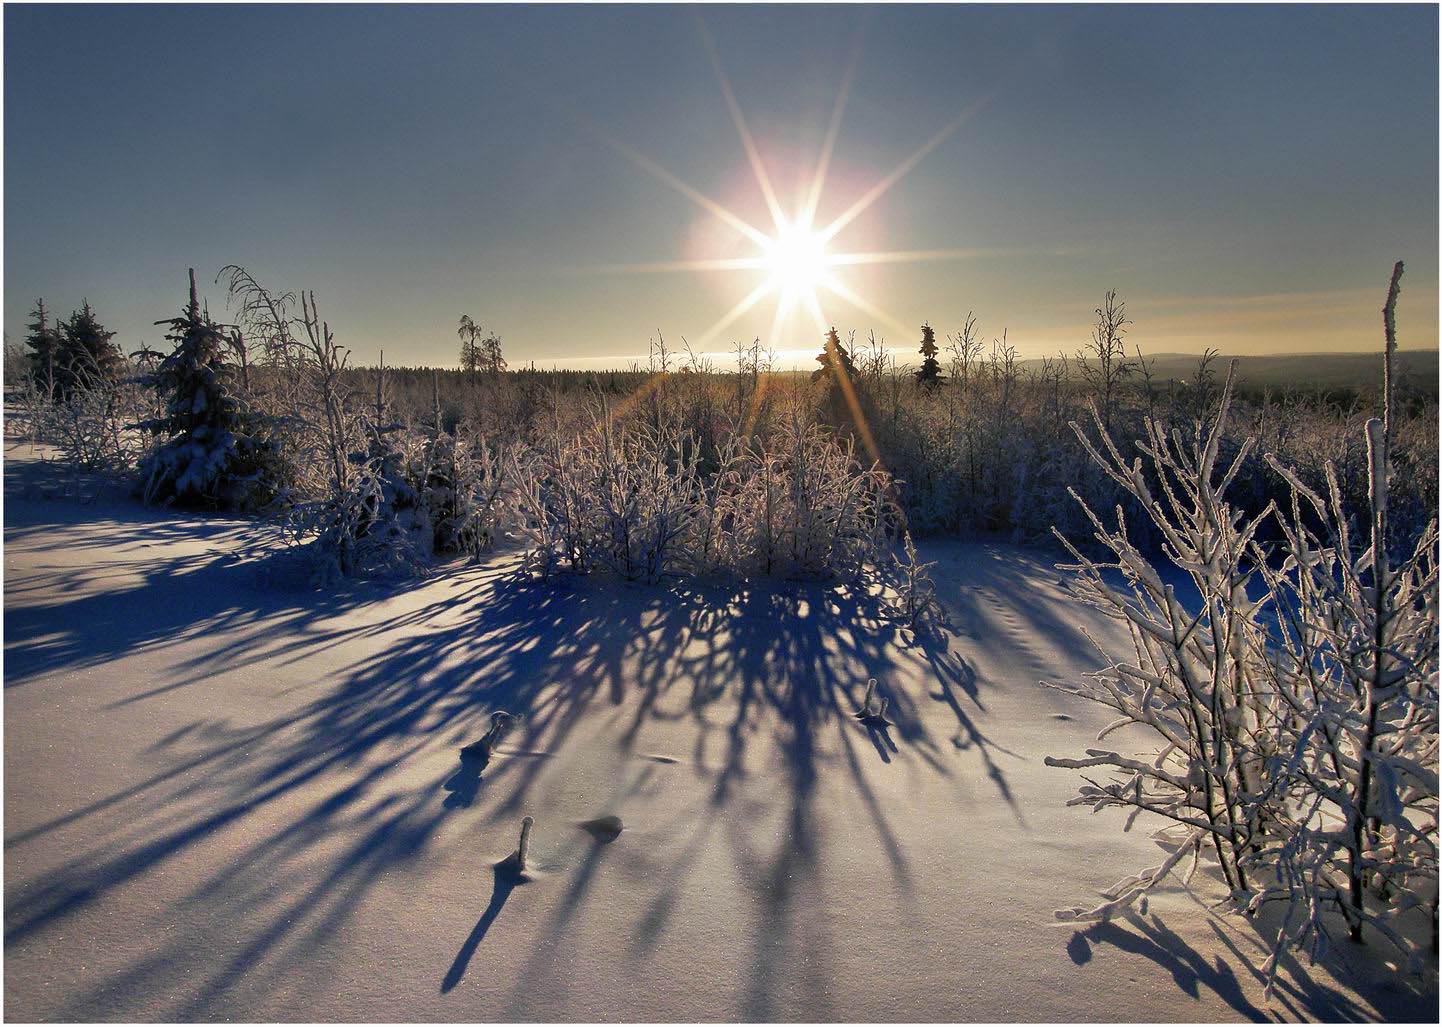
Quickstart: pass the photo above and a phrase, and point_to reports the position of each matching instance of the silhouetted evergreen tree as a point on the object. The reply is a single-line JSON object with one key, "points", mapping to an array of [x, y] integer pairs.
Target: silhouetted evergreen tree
{"points": [[43, 338], [930, 373], [211, 455], [85, 355], [832, 358]]}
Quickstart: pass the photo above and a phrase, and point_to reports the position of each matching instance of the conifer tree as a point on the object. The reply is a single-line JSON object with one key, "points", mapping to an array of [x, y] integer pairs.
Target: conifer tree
{"points": [[43, 338], [209, 456], [85, 354], [930, 373], [833, 357]]}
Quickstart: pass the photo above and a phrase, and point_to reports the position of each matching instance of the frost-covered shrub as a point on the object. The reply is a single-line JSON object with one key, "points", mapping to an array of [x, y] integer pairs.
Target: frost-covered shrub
{"points": [[1189, 680], [211, 451], [551, 510], [1353, 672], [645, 486], [74, 390], [619, 497], [93, 422], [1352, 663], [1291, 690], [349, 506], [462, 491], [915, 602], [807, 507], [632, 499]]}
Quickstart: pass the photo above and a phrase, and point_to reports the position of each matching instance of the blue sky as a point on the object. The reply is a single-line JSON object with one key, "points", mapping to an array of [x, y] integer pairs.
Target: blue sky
{"points": [[1243, 176]]}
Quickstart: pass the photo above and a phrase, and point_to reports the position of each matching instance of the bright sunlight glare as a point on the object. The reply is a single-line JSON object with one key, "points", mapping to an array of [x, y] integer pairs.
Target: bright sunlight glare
{"points": [[796, 259]]}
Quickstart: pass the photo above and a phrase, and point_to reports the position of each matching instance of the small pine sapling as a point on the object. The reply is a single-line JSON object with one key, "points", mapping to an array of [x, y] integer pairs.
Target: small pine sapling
{"points": [[929, 374], [211, 451], [835, 360]]}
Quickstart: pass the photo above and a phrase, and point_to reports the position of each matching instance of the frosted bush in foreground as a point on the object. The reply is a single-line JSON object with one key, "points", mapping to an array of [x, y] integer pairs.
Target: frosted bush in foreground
{"points": [[1353, 675], [94, 424], [1353, 669], [1293, 701], [1188, 681], [915, 602], [633, 500]]}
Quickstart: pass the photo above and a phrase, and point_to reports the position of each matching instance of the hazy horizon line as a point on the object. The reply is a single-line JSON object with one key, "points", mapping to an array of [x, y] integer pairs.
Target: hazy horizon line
{"points": [[640, 362]]}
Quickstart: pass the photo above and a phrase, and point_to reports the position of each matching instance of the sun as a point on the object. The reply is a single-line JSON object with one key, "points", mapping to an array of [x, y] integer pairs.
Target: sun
{"points": [[796, 259], [797, 264]]}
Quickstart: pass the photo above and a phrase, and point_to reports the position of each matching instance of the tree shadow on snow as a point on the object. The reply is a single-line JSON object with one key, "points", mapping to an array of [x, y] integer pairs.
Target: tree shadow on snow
{"points": [[768, 671], [351, 782], [1297, 995]]}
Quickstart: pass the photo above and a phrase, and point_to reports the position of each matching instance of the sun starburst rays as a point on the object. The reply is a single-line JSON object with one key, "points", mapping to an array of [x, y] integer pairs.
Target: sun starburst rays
{"points": [[795, 259]]}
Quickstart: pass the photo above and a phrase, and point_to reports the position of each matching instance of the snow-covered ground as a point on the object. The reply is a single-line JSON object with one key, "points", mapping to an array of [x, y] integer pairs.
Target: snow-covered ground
{"points": [[227, 797]]}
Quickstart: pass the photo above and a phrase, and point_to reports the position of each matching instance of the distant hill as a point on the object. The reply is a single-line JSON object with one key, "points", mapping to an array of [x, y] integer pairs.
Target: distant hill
{"points": [[1307, 370]]}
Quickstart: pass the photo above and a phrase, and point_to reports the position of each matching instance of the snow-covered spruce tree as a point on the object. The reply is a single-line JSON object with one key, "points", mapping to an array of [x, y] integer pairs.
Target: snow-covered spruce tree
{"points": [[929, 373], [1353, 664], [210, 450], [1191, 681]]}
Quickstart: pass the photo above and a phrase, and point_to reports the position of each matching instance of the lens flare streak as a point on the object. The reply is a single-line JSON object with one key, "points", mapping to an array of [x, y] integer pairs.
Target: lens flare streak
{"points": [[795, 258]]}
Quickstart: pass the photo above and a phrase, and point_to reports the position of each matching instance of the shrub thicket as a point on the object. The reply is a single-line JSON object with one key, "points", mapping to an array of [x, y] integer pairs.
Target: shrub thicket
{"points": [[1290, 689]]}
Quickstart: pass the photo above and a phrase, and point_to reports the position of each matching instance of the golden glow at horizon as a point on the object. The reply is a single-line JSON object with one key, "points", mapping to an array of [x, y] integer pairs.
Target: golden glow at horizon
{"points": [[797, 264]]}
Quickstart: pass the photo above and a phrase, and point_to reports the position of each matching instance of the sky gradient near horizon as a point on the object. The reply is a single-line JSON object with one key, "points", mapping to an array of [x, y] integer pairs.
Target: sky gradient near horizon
{"points": [[1243, 177]]}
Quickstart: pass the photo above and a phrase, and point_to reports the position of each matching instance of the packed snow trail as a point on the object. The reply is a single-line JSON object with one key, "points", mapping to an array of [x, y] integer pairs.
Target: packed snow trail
{"points": [[229, 797]]}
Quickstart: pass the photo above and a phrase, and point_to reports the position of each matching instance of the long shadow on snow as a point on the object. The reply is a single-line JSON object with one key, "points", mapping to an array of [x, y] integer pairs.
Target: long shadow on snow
{"points": [[790, 658], [1296, 994], [791, 661]]}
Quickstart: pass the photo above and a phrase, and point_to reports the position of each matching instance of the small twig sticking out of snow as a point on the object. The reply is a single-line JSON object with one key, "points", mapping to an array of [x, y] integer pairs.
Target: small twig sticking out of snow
{"points": [[873, 708], [523, 848], [501, 722], [865, 710]]}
